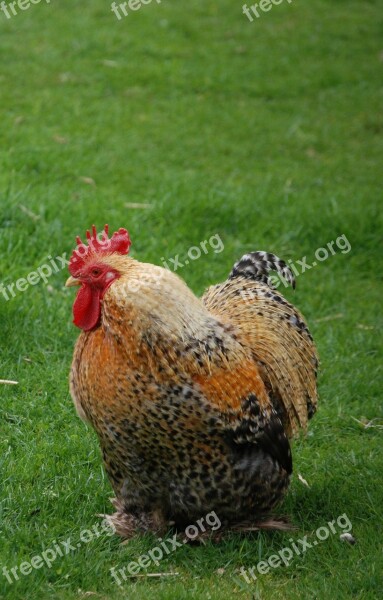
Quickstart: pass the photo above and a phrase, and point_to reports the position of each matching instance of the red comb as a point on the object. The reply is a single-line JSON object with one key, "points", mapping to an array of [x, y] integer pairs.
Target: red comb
{"points": [[119, 243]]}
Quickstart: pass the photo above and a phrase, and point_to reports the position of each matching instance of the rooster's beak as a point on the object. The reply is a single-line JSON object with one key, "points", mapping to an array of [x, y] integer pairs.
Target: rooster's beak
{"points": [[71, 281]]}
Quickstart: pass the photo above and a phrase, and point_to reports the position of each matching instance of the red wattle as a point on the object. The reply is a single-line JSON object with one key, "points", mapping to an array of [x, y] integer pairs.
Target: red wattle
{"points": [[87, 307]]}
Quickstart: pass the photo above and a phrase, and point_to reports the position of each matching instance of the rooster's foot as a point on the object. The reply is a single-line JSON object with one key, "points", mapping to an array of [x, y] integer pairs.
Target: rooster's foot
{"points": [[129, 524]]}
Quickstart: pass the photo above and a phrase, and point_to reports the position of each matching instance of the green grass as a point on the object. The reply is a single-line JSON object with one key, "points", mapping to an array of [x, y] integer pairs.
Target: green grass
{"points": [[267, 133]]}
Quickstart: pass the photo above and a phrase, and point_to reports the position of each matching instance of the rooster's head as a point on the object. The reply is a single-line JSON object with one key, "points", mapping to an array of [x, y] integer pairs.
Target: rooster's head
{"points": [[91, 266]]}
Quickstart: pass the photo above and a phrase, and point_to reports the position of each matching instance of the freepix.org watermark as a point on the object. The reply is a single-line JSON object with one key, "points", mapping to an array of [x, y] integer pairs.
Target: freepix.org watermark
{"points": [[134, 285], [11, 9], [166, 547], [42, 273], [124, 8], [194, 253], [57, 550], [301, 266], [259, 7], [321, 254], [54, 265], [49, 268], [297, 548]]}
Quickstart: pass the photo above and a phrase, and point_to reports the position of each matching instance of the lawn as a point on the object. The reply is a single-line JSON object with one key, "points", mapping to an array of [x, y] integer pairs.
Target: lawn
{"points": [[182, 121]]}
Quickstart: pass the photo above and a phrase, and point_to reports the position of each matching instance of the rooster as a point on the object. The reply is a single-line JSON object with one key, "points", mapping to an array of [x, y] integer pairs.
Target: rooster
{"points": [[193, 400]]}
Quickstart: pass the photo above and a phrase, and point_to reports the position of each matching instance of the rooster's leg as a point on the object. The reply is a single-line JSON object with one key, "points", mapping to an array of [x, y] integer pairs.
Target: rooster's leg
{"points": [[127, 524]]}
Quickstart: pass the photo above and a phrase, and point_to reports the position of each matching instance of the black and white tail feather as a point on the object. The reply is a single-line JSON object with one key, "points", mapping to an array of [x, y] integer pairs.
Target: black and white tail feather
{"points": [[258, 265]]}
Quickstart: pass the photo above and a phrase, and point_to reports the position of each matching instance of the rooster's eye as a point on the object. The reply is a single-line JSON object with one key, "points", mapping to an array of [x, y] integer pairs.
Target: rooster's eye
{"points": [[96, 272]]}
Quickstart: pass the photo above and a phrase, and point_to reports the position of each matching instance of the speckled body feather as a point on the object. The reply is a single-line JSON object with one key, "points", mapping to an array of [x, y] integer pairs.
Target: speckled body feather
{"points": [[194, 400]]}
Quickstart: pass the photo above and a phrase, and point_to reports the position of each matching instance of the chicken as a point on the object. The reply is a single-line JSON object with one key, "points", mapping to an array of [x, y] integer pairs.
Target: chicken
{"points": [[193, 400]]}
